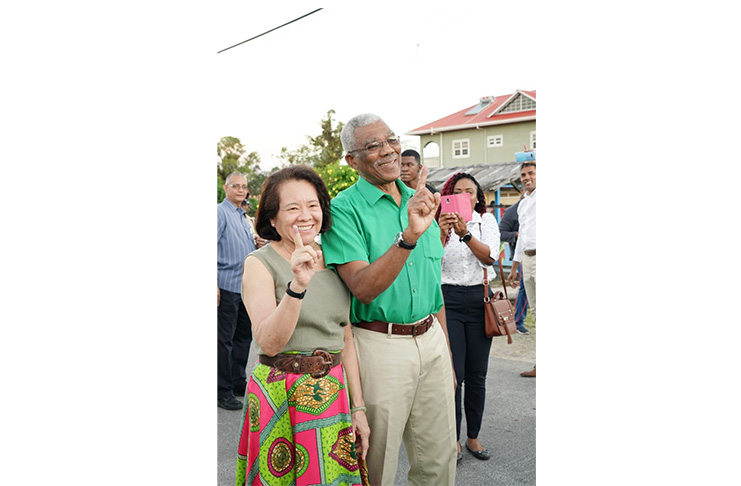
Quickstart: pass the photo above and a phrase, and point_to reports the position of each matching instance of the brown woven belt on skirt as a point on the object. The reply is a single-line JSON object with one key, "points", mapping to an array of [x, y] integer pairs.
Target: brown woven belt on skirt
{"points": [[415, 329], [530, 252], [318, 364]]}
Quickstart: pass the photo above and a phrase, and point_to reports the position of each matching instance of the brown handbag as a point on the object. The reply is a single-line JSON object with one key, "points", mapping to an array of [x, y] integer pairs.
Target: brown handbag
{"points": [[499, 318]]}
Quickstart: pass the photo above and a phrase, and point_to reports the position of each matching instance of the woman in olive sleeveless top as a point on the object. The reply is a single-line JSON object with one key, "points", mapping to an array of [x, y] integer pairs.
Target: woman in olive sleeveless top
{"points": [[304, 419]]}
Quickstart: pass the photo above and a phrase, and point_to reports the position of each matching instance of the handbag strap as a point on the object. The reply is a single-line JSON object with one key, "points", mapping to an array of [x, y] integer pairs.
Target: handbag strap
{"points": [[486, 277], [504, 282], [486, 286]]}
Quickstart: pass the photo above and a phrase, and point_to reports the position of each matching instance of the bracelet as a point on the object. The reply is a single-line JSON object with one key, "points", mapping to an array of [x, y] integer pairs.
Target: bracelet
{"points": [[293, 294], [358, 409]]}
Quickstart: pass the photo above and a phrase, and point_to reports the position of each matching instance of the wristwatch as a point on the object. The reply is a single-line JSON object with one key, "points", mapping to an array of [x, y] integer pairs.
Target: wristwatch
{"points": [[465, 238], [399, 241], [293, 294]]}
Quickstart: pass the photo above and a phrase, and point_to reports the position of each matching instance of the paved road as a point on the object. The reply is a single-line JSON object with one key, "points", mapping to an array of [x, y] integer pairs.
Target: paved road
{"points": [[508, 431]]}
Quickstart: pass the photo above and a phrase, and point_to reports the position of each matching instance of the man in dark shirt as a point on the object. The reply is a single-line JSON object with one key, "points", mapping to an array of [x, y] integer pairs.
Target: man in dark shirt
{"points": [[411, 166]]}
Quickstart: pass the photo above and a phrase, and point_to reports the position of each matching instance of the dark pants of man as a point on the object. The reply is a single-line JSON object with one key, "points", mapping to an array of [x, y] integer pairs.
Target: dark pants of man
{"points": [[235, 337], [464, 312]]}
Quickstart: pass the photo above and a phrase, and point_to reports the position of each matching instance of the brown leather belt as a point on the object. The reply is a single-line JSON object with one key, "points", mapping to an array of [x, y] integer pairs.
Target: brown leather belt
{"points": [[416, 329], [317, 364], [530, 252]]}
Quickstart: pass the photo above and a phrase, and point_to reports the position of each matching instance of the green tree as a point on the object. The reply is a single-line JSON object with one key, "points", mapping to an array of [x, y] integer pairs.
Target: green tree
{"points": [[300, 156], [220, 194], [232, 157], [258, 178], [323, 150], [337, 177]]}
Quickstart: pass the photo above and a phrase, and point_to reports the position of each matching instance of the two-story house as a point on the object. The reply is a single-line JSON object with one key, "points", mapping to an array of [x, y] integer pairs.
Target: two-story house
{"points": [[489, 132], [482, 140]]}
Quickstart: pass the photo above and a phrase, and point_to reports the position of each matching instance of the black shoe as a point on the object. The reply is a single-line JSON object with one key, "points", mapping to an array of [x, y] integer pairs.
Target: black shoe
{"points": [[483, 454], [239, 390], [460, 458], [230, 403]]}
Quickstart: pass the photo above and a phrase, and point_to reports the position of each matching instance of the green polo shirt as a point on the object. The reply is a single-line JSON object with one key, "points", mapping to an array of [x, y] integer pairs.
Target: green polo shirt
{"points": [[365, 221]]}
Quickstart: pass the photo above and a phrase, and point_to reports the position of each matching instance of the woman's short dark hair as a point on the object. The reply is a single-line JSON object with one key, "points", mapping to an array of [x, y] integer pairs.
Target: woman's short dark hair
{"points": [[270, 199]]}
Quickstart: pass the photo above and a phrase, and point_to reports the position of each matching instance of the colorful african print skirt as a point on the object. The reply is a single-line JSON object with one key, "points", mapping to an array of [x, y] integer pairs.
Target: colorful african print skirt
{"points": [[297, 430]]}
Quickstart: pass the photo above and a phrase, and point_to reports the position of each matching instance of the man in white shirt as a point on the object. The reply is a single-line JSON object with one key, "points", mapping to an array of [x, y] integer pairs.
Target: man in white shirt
{"points": [[525, 249]]}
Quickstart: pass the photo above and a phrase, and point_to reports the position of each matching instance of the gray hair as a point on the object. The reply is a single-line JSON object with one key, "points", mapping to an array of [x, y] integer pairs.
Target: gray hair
{"points": [[348, 131], [235, 173]]}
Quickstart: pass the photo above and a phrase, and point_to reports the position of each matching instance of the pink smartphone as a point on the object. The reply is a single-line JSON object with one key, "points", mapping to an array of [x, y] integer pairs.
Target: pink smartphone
{"points": [[457, 203]]}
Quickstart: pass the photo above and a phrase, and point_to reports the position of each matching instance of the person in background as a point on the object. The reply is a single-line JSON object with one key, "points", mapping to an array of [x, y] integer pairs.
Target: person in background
{"points": [[525, 249], [299, 426], [469, 248], [385, 244], [235, 241], [259, 242], [411, 166], [509, 229]]}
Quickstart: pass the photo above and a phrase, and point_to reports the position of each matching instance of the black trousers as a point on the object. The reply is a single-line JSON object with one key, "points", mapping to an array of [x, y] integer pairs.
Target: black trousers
{"points": [[235, 337], [464, 312]]}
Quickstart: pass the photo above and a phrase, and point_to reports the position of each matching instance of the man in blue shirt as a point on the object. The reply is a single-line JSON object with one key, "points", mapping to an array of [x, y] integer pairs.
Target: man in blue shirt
{"points": [[235, 242]]}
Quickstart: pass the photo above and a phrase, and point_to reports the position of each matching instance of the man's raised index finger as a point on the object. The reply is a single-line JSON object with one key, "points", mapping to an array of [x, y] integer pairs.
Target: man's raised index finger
{"points": [[422, 180]]}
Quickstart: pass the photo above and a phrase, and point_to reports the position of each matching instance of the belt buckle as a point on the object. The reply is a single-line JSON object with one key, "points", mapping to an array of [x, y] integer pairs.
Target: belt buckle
{"points": [[418, 324], [414, 329], [327, 363]]}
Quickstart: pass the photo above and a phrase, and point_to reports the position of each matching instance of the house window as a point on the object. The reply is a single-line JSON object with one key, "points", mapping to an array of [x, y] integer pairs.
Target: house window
{"points": [[519, 103], [532, 141], [494, 141], [460, 148]]}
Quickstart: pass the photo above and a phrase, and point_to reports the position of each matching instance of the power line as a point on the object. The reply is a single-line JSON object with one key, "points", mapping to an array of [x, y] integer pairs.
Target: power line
{"points": [[267, 32]]}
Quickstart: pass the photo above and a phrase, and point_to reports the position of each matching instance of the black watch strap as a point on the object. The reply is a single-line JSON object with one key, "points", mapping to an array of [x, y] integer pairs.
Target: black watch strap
{"points": [[293, 294], [399, 241], [465, 238]]}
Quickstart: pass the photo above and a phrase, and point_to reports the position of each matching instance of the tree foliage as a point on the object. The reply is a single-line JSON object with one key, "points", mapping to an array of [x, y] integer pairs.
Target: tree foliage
{"points": [[322, 150], [220, 194], [233, 157], [337, 177], [323, 153]]}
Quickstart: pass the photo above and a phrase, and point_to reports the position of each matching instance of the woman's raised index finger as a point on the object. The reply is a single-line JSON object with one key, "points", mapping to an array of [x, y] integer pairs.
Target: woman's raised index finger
{"points": [[297, 237]]}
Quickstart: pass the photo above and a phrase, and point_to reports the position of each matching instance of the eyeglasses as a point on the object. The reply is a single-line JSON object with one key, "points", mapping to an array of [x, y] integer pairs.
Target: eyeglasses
{"points": [[393, 142], [237, 186]]}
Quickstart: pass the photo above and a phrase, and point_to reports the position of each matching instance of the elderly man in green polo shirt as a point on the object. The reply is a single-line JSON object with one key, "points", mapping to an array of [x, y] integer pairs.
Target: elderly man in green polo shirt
{"points": [[385, 244]]}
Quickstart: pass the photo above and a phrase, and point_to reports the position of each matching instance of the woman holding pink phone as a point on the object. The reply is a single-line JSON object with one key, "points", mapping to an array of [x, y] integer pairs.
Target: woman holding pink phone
{"points": [[471, 244]]}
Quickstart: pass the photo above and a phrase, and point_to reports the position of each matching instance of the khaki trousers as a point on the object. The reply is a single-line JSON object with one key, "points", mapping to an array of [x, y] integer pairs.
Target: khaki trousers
{"points": [[528, 276], [408, 389]]}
